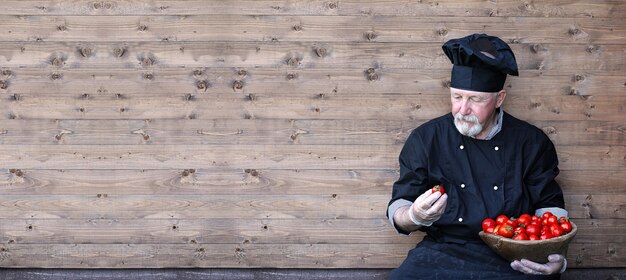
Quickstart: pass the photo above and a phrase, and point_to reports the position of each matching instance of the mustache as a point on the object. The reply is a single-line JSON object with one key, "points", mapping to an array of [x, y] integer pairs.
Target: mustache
{"points": [[467, 118]]}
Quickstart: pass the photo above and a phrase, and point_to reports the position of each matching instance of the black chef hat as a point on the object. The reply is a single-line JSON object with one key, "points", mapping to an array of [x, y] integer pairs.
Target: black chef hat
{"points": [[480, 62]]}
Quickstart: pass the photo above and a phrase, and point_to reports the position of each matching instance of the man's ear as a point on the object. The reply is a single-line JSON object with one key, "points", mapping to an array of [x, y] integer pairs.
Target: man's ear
{"points": [[500, 98]]}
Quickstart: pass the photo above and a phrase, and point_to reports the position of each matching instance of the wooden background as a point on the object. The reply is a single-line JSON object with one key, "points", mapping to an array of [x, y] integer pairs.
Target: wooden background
{"points": [[266, 133]]}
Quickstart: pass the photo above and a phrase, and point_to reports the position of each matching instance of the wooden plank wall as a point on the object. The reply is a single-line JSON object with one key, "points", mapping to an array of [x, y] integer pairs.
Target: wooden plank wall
{"points": [[266, 133]]}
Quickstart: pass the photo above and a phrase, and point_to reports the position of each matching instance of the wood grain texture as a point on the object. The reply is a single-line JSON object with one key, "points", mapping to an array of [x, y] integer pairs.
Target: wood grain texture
{"points": [[475, 8], [266, 134], [260, 28]]}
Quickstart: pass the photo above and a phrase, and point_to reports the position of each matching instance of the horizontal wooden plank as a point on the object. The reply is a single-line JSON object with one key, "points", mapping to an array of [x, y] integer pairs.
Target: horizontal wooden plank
{"points": [[252, 255], [314, 83], [202, 231], [308, 28], [600, 230], [203, 255], [244, 231], [197, 132], [606, 254], [204, 181], [509, 8], [145, 157], [600, 205], [336, 106], [111, 206], [290, 56], [234, 156], [209, 181], [589, 182], [331, 206], [265, 131]]}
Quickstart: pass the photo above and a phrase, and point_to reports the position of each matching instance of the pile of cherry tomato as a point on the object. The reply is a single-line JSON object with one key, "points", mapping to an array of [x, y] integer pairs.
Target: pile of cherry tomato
{"points": [[527, 227]]}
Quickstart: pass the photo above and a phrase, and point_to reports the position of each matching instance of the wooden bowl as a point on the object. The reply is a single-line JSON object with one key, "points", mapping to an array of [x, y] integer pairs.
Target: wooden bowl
{"points": [[534, 250]]}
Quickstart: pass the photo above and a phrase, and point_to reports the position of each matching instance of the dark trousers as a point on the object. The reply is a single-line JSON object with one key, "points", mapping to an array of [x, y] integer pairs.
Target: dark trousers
{"points": [[473, 260]]}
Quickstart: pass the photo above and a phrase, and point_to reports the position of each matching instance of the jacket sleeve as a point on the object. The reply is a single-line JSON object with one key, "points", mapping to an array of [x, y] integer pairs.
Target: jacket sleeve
{"points": [[540, 176], [413, 176]]}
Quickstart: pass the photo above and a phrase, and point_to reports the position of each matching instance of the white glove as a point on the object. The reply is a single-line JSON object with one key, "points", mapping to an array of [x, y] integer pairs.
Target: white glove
{"points": [[556, 264], [428, 208]]}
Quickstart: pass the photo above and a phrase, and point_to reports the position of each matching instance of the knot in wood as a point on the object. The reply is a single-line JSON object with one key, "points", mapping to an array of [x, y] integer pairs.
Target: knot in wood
{"points": [[535, 48], [332, 5], [237, 85], [119, 51], [574, 31], [592, 48], [142, 27], [242, 72], [85, 51], [102, 5], [56, 76], [57, 61], [297, 27], [62, 28], [4, 84], [252, 172], [370, 35], [7, 72], [198, 72], [147, 61], [148, 76], [372, 77], [17, 172], [202, 84], [320, 51], [292, 76], [446, 83], [442, 31], [252, 97], [293, 61], [549, 130], [578, 77]]}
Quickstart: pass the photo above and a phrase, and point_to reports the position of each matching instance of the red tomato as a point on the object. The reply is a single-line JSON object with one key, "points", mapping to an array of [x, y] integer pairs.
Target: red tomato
{"points": [[524, 219], [496, 229], [501, 219], [535, 218], [566, 226], [552, 220], [438, 188], [533, 237], [512, 222], [545, 235], [546, 215], [506, 231], [520, 236], [489, 222], [489, 230], [519, 229], [533, 230], [556, 230]]}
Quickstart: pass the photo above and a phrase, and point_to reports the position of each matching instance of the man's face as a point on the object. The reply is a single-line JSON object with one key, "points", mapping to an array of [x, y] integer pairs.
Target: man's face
{"points": [[474, 111]]}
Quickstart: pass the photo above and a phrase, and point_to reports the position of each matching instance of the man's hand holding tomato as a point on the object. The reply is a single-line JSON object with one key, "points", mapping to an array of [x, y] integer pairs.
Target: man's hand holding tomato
{"points": [[428, 207]]}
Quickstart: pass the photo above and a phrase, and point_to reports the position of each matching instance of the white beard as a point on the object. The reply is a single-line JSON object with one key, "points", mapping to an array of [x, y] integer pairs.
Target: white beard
{"points": [[464, 127]]}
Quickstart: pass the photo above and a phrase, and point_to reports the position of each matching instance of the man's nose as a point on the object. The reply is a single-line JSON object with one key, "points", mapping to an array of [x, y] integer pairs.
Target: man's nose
{"points": [[465, 108]]}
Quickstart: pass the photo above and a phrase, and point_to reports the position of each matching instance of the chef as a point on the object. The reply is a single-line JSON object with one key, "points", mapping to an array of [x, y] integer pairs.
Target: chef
{"points": [[488, 161]]}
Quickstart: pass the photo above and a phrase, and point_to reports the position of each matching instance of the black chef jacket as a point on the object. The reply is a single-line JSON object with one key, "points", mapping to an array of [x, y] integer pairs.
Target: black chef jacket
{"points": [[511, 174]]}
